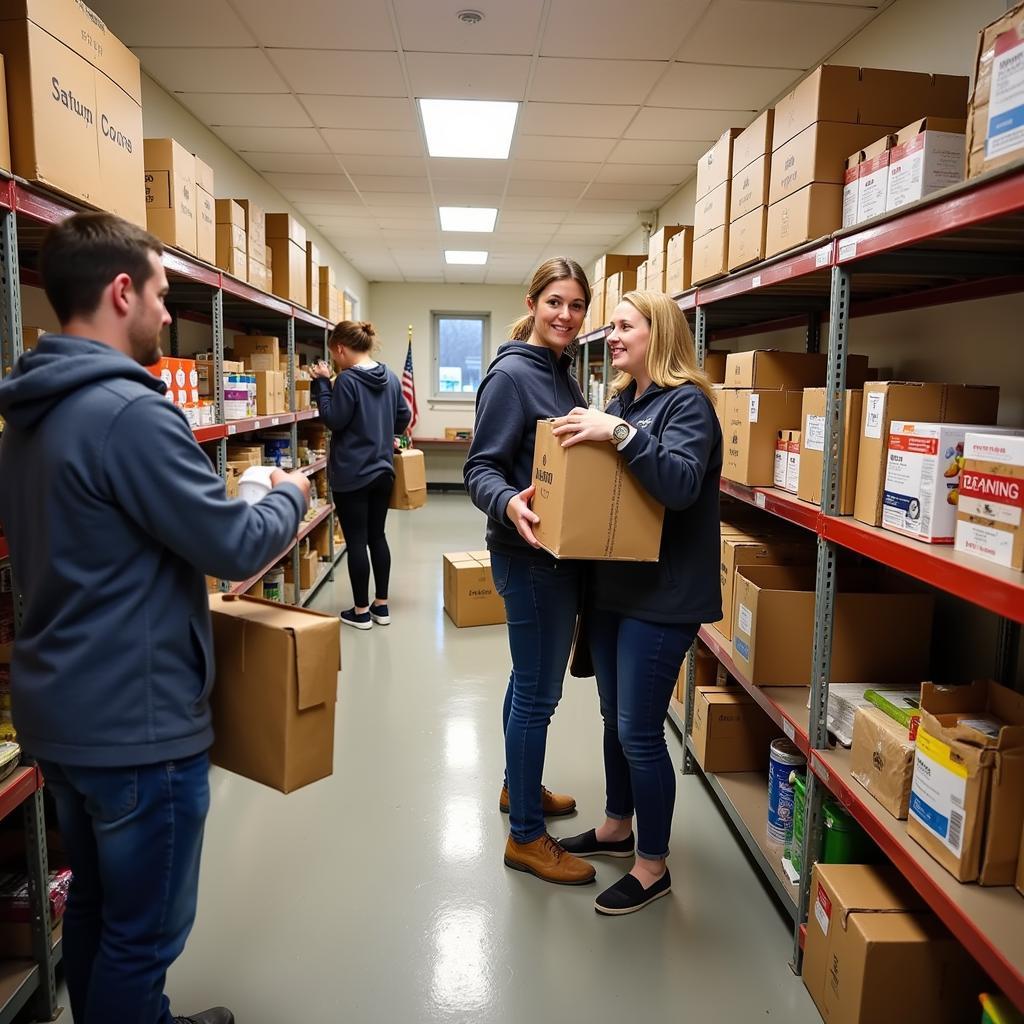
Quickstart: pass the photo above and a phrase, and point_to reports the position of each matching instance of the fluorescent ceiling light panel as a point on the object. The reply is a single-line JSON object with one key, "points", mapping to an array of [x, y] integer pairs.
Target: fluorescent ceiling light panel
{"points": [[479, 129], [466, 256], [468, 218]]}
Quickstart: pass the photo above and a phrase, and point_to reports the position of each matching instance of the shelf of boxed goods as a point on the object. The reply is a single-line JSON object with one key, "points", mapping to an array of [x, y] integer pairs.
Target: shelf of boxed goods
{"points": [[780, 503]]}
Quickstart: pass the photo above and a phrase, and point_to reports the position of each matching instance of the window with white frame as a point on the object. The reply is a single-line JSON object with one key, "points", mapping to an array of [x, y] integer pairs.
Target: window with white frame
{"points": [[459, 346]]}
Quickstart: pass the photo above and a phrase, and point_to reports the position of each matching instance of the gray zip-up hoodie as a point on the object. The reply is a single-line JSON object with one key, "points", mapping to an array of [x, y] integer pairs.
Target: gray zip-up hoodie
{"points": [[114, 515]]}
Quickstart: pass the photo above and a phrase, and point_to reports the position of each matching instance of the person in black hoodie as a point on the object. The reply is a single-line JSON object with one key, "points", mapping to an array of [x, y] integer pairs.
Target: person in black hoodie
{"points": [[530, 379], [645, 615], [364, 411]]}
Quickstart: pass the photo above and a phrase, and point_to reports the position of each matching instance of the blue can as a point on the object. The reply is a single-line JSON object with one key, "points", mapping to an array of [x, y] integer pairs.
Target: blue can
{"points": [[784, 758]]}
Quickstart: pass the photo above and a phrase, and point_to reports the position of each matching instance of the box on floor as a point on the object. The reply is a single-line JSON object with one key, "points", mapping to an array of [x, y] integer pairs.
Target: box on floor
{"points": [[730, 732], [410, 487], [989, 511], [882, 759], [470, 598]]}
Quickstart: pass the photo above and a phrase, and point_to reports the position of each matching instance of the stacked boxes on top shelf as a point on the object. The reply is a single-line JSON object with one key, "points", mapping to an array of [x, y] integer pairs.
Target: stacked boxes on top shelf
{"points": [[232, 240], [206, 213], [285, 240], [711, 211], [748, 203], [5, 131], [312, 300], [171, 193], [330, 307], [657, 277], [614, 275], [257, 255]]}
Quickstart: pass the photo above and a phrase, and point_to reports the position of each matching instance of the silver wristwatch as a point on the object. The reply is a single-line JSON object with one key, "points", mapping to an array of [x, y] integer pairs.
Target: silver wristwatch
{"points": [[620, 432]]}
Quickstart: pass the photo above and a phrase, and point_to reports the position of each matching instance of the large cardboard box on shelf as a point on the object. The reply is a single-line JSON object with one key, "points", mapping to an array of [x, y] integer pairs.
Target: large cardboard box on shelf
{"points": [[312, 276], [710, 255], [230, 257], [714, 366], [469, 595], [309, 569], [706, 669], [171, 199], [749, 191], [615, 287], [712, 211], [730, 732], [255, 230], [995, 135], [74, 99], [243, 345], [590, 505], [229, 211], [967, 798], [288, 269], [812, 448], [873, 178], [834, 92], [206, 213], [879, 635], [410, 488], [928, 155], [851, 187], [772, 368], [991, 507], [328, 294], [5, 128], [597, 304], [270, 392], [753, 419], [875, 953], [882, 759], [1020, 867], [885, 401], [813, 212], [754, 142], [657, 244], [613, 262], [747, 237], [641, 277], [679, 262], [714, 168], [274, 698]]}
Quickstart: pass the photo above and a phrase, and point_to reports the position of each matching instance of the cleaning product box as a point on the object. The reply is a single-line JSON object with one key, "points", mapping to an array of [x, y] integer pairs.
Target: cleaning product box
{"points": [[873, 182], [171, 201], [469, 595], [787, 461], [679, 262], [989, 512], [967, 797], [879, 635], [882, 759], [928, 155], [851, 187], [710, 255], [922, 478], [714, 168], [753, 419], [730, 732], [275, 693], [589, 503], [206, 213], [813, 212], [812, 448], [410, 488], [886, 401]]}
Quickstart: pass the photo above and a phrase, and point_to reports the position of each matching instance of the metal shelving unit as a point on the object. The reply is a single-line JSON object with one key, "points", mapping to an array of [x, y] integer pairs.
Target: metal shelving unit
{"points": [[966, 242]]}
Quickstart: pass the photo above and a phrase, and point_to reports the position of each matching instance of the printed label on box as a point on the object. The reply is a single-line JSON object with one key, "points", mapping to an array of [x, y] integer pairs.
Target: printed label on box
{"points": [[1006, 98], [815, 433], [875, 414], [781, 460], [755, 401], [822, 909], [742, 648], [745, 619], [939, 789], [991, 496], [984, 542]]}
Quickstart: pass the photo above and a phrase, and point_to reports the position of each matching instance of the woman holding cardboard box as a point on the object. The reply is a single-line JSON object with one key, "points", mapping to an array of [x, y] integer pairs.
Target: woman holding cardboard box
{"points": [[530, 379], [364, 411], [645, 615]]}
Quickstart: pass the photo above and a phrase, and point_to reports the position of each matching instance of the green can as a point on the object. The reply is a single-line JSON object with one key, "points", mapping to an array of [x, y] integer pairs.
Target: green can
{"points": [[795, 841], [845, 841]]}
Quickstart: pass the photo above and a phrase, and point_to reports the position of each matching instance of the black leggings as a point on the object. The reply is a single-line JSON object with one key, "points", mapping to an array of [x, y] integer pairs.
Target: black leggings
{"points": [[362, 514]]}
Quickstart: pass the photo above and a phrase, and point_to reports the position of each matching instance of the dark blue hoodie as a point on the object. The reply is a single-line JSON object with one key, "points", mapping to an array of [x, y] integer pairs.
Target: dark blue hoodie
{"points": [[365, 410], [115, 515], [676, 456], [525, 383]]}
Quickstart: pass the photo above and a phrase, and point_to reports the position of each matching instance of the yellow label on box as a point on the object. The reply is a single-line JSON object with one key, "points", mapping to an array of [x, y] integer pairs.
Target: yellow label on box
{"points": [[937, 751]]}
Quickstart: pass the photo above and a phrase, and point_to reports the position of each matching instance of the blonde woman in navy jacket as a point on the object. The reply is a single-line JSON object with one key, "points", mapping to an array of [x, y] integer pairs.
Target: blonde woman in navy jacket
{"points": [[646, 615]]}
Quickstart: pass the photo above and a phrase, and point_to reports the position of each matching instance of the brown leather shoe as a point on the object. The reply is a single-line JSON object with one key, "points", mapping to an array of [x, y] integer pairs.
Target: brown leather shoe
{"points": [[555, 805], [547, 860]]}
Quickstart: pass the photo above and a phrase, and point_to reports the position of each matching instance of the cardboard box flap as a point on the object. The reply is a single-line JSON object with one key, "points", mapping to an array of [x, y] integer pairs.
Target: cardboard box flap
{"points": [[954, 125], [867, 889]]}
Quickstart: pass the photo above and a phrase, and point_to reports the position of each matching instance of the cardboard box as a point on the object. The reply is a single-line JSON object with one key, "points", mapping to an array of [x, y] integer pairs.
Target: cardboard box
{"points": [[770, 368], [714, 366], [616, 286], [204, 177], [730, 732], [285, 226], [995, 136], [231, 212], [1020, 867], [712, 211], [714, 168], [886, 401], [312, 277], [613, 262], [657, 244], [5, 128], [260, 361], [328, 294], [641, 275], [270, 396], [255, 230], [706, 669], [873, 181], [410, 489], [754, 142], [882, 759], [206, 226], [812, 448], [590, 505], [679, 262], [243, 345], [710, 255], [991, 504], [171, 200], [922, 478], [787, 461], [753, 419], [878, 636], [833, 92], [230, 260], [469, 595], [967, 798], [874, 953], [747, 237], [288, 268], [277, 684], [928, 155], [811, 213], [597, 304], [851, 187], [750, 188]]}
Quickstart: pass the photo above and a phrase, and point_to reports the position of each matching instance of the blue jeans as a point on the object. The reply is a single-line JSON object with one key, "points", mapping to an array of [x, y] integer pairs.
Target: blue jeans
{"points": [[541, 601], [133, 837], [637, 664]]}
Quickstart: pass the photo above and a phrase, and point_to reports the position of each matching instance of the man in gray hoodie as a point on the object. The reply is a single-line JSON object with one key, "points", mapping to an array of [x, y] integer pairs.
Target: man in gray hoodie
{"points": [[114, 516]]}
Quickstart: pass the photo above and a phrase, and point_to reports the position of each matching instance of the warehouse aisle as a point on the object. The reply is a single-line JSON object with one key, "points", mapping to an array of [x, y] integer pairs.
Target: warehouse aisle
{"points": [[379, 895]]}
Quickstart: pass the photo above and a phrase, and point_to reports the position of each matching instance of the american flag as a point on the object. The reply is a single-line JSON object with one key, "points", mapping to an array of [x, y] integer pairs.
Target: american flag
{"points": [[409, 389]]}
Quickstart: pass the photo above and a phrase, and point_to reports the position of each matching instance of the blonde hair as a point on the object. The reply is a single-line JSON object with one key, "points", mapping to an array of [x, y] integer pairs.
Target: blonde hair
{"points": [[558, 268], [671, 353], [357, 335]]}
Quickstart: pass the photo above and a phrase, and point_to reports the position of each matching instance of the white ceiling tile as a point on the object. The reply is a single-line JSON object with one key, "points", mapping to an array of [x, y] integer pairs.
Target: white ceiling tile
{"points": [[341, 224], [453, 169], [361, 112], [194, 23], [402, 166], [575, 120], [569, 80], [645, 174], [506, 28], [546, 147], [341, 72], [275, 110], [641, 151], [666, 124], [319, 197], [588, 230], [469, 76], [456, 189], [775, 33], [271, 140], [322, 183], [339, 209], [720, 87], [401, 224], [324, 24], [633, 193], [211, 70], [550, 203], [605, 204], [553, 170], [294, 163], [535, 217], [553, 189], [647, 30], [389, 183], [378, 199], [373, 143]]}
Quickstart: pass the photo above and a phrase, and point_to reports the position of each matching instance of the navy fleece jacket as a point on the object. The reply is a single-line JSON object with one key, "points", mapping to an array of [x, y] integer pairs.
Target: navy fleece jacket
{"points": [[676, 456], [364, 411], [525, 383], [115, 515]]}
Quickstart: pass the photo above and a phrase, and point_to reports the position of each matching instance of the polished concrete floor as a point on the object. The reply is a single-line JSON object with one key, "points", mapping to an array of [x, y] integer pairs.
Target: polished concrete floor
{"points": [[378, 896]]}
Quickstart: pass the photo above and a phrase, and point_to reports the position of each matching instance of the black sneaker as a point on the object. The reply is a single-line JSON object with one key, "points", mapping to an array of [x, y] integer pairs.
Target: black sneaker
{"points": [[628, 895], [360, 620], [379, 614], [218, 1015], [586, 844]]}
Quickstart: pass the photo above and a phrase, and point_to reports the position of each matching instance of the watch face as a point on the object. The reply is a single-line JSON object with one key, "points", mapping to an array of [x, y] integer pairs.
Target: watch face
{"points": [[621, 432]]}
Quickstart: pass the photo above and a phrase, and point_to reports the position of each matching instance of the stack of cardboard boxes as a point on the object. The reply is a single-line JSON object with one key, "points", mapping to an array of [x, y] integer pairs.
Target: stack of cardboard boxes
{"points": [[286, 241], [614, 275], [661, 274], [711, 212], [171, 200], [748, 203], [232, 241], [260, 354], [312, 301], [257, 252], [330, 305], [206, 213]]}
